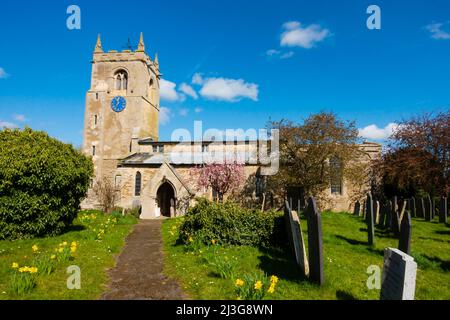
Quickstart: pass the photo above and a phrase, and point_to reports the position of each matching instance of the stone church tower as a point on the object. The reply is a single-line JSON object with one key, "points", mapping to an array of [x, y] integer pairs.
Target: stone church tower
{"points": [[122, 106]]}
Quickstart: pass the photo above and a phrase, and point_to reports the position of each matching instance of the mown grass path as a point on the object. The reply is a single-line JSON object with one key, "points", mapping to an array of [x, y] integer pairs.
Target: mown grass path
{"points": [[138, 272]]}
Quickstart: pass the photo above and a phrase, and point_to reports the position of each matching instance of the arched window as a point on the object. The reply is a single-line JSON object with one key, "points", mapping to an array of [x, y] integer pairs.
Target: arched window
{"points": [[137, 184], [336, 175], [121, 80]]}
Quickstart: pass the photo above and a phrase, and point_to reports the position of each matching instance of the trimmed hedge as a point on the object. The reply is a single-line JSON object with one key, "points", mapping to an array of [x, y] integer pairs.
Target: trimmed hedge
{"points": [[42, 182], [230, 224]]}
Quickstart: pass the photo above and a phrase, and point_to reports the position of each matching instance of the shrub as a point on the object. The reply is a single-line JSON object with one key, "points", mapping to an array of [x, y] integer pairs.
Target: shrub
{"points": [[230, 224], [42, 182]]}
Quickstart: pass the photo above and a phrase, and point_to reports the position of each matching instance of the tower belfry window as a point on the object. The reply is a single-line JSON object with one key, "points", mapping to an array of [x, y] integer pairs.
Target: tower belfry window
{"points": [[121, 80]]}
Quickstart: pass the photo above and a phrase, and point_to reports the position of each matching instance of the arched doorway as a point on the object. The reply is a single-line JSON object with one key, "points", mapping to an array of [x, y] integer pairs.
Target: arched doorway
{"points": [[166, 199]]}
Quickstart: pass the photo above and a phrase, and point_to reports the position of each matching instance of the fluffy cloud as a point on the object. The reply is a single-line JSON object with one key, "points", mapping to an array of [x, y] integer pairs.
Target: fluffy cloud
{"points": [[168, 91], [295, 35], [164, 115], [375, 133], [3, 74], [188, 90], [436, 31], [198, 110], [9, 125], [223, 89]]}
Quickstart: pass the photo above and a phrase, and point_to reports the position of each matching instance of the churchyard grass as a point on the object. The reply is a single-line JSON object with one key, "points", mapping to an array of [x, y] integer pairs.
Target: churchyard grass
{"points": [[91, 243], [346, 258]]}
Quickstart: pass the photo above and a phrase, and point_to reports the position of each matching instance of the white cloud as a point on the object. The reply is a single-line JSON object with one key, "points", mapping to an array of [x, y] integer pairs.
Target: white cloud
{"points": [[3, 74], [198, 110], [373, 132], [295, 35], [9, 125], [168, 91], [436, 31], [188, 90], [287, 55], [272, 52], [197, 79], [183, 112], [20, 117], [231, 90], [164, 115]]}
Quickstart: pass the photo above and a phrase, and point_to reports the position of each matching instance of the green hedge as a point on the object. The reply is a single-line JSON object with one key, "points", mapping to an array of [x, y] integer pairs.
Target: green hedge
{"points": [[42, 182], [230, 224]]}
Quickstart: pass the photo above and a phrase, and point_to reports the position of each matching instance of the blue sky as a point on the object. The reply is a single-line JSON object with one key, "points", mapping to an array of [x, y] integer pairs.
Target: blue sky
{"points": [[251, 61]]}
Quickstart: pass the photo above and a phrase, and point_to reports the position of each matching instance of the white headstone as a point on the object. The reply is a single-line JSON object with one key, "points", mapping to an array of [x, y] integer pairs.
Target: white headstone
{"points": [[399, 276]]}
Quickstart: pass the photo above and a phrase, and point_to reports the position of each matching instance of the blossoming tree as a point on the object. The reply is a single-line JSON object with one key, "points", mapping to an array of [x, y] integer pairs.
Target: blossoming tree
{"points": [[220, 177]]}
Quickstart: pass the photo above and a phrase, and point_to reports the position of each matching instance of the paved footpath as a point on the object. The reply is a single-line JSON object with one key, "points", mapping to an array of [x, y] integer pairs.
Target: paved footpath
{"points": [[138, 272]]}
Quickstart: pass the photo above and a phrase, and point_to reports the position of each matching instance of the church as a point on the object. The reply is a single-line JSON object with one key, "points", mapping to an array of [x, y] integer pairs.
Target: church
{"points": [[121, 136]]}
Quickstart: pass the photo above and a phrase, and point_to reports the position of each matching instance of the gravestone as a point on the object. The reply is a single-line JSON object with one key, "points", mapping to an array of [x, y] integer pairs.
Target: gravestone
{"points": [[421, 208], [357, 208], [443, 210], [364, 210], [412, 207], [399, 276], [395, 223], [315, 245], [370, 221], [428, 209], [404, 243], [402, 211], [296, 236], [377, 212]]}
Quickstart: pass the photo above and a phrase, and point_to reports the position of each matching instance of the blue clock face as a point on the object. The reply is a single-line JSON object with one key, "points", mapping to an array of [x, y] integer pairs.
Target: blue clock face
{"points": [[118, 104]]}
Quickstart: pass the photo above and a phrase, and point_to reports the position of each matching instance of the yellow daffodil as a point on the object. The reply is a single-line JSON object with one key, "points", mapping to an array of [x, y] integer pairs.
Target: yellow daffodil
{"points": [[15, 265], [271, 289], [258, 285], [213, 241], [239, 282], [53, 257], [33, 270], [35, 248], [64, 243], [24, 269], [60, 250], [191, 239], [73, 244], [274, 279], [73, 249]]}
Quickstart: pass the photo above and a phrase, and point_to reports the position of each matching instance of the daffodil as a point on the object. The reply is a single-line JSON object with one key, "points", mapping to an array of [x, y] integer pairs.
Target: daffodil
{"points": [[53, 257], [60, 250], [15, 265], [213, 241], [191, 239], [239, 282], [73, 244], [274, 279], [258, 285], [33, 270], [73, 249], [35, 248], [271, 289]]}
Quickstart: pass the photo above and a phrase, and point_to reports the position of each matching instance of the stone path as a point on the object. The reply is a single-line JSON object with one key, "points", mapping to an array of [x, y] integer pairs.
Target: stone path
{"points": [[138, 272]]}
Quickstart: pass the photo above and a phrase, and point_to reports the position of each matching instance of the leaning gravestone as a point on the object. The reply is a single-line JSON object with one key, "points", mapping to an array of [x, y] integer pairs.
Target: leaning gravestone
{"points": [[404, 243], [377, 212], [443, 210], [357, 208], [298, 243], [395, 219], [412, 207], [370, 221], [399, 276], [428, 209], [315, 245]]}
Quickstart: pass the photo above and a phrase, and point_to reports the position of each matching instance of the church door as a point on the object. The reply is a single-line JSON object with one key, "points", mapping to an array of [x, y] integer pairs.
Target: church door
{"points": [[166, 199]]}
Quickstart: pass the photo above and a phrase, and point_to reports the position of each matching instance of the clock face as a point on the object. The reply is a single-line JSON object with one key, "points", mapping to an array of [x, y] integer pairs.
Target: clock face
{"points": [[118, 104]]}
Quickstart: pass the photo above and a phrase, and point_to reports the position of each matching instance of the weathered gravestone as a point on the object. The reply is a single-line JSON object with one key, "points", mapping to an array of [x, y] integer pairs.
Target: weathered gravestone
{"points": [[357, 208], [377, 212], [428, 209], [399, 276], [404, 243], [443, 210], [315, 246], [421, 208], [395, 219], [363, 211], [370, 220], [402, 211], [296, 236], [412, 207]]}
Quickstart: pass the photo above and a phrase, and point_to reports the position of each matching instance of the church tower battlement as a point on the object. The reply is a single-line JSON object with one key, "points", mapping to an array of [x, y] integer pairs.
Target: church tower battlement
{"points": [[122, 105]]}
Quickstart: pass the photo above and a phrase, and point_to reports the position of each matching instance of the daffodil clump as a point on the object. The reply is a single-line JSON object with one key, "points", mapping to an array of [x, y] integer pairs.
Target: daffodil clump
{"points": [[23, 279], [255, 287], [64, 252]]}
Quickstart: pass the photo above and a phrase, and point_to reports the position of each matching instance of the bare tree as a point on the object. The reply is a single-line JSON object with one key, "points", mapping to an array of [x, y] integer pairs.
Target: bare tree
{"points": [[106, 193]]}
